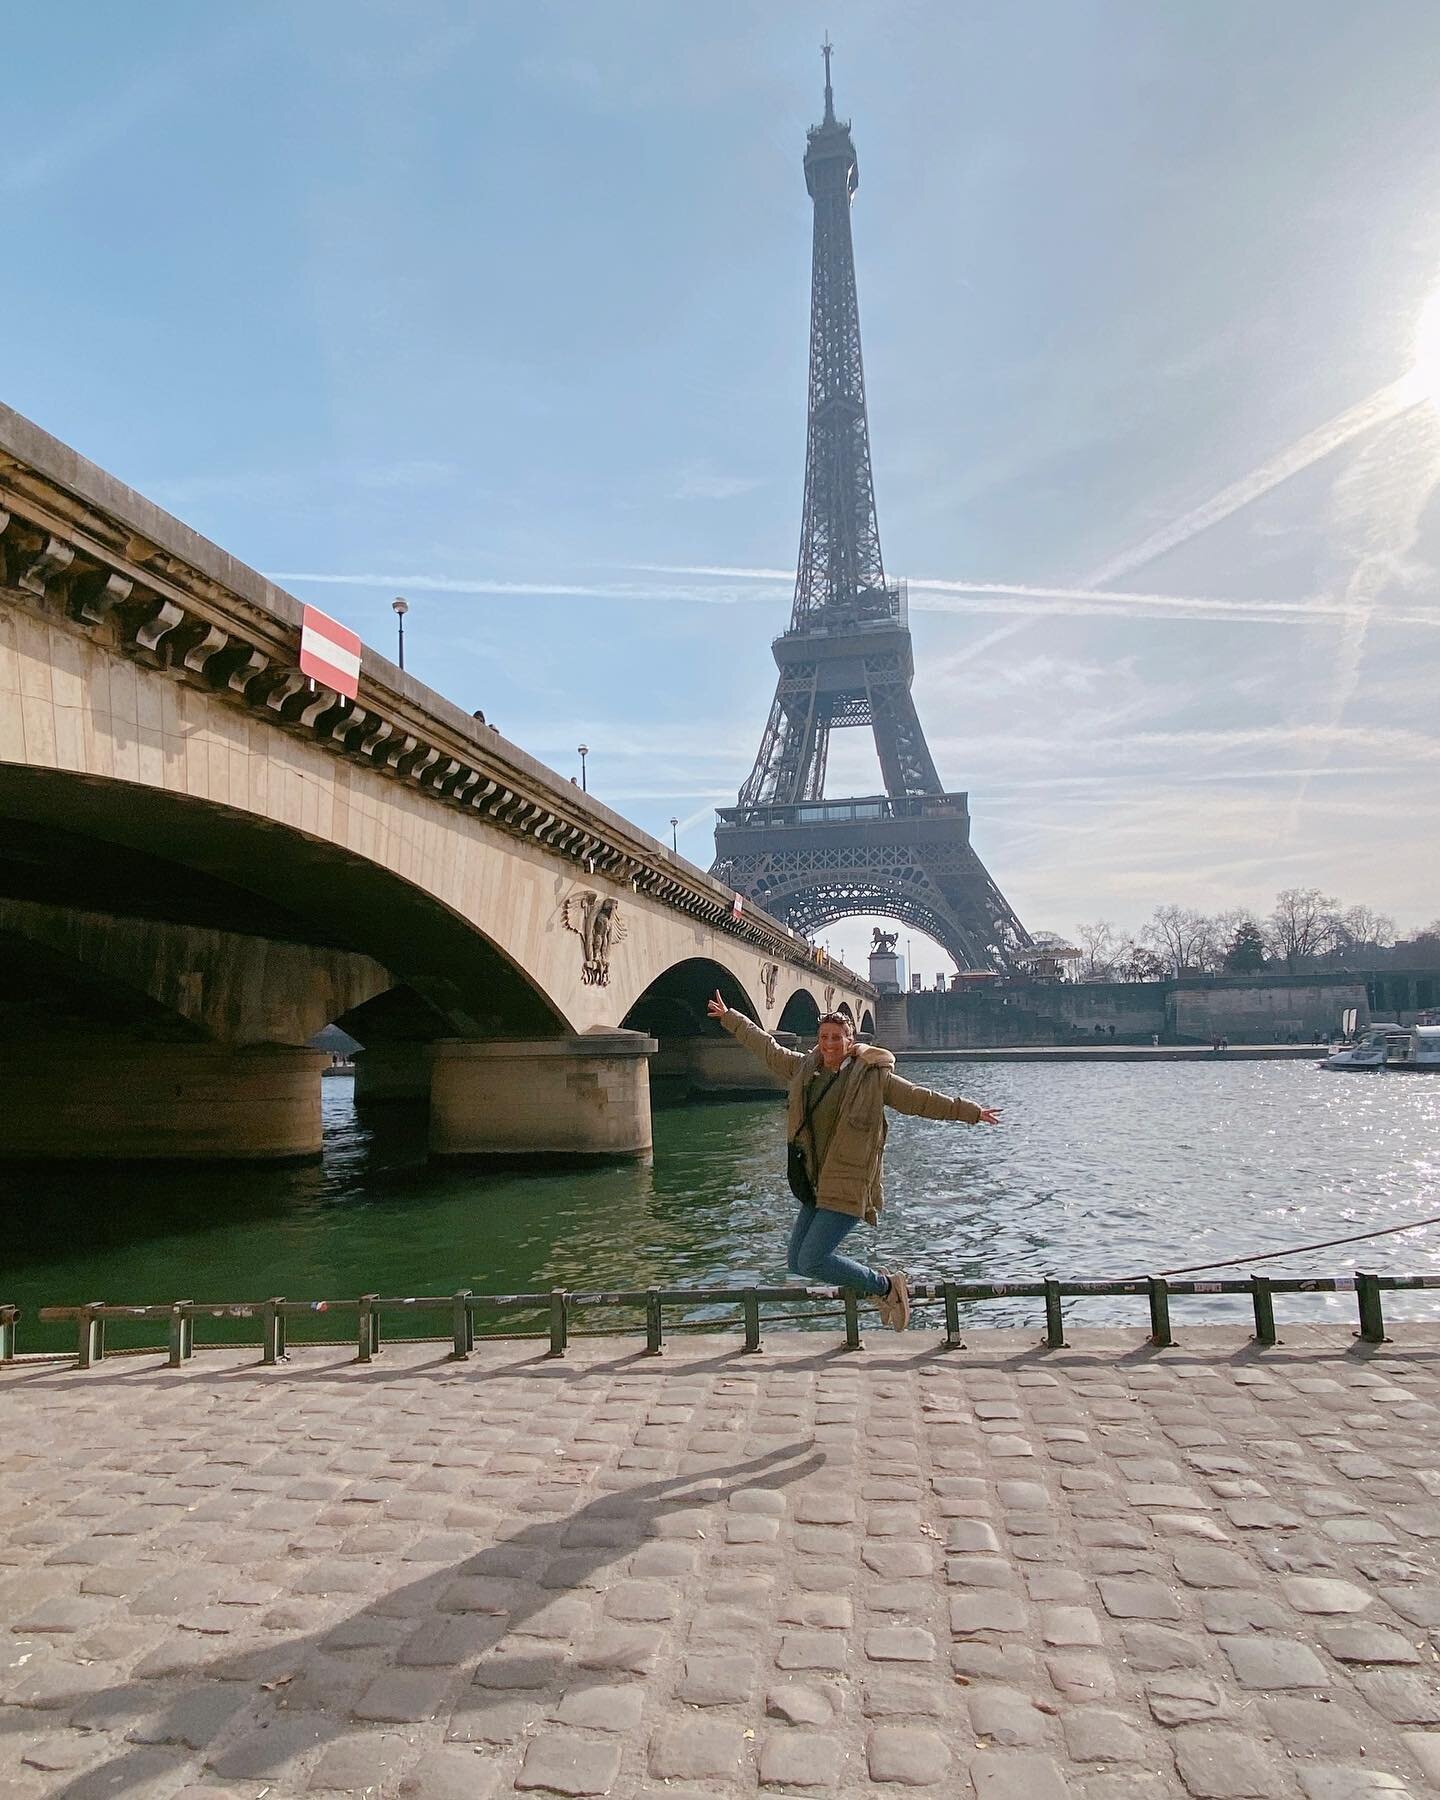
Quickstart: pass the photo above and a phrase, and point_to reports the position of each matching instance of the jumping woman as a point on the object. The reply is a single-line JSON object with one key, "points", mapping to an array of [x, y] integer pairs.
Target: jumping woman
{"points": [[836, 1130]]}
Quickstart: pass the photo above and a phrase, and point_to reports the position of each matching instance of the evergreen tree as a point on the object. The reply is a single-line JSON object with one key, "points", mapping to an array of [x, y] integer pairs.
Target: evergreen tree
{"points": [[1246, 952]]}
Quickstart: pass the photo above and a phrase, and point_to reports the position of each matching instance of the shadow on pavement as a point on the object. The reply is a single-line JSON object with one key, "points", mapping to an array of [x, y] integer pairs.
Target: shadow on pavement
{"points": [[473, 1635]]}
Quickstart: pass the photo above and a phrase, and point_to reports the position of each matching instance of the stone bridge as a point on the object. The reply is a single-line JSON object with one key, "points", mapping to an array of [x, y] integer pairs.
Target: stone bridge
{"points": [[205, 858]]}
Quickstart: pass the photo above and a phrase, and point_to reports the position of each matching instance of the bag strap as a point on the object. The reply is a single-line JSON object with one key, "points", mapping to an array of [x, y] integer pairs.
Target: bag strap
{"points": [[839, 1075]]}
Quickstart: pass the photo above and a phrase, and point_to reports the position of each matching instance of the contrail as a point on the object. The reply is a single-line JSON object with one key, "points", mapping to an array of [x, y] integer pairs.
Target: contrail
{"points": [[1380, 408], [480, 584], [927, 594], [931, 593], [1380, 503]]}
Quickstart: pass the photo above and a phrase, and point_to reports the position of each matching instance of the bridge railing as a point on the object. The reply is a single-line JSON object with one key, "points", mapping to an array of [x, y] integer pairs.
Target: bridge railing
{"points": [[559, 1308]]}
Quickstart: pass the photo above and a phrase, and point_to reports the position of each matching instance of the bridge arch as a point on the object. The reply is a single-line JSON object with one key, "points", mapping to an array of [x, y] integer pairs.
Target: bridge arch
{"points": [[909, 899], [674, 1003], [224, 879], [801, 1014]]}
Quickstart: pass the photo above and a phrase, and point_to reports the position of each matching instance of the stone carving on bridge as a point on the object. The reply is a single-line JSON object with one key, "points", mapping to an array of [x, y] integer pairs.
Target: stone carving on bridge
{"points": [[882, 943], [829, 996], [599, 927], [769, 976]]}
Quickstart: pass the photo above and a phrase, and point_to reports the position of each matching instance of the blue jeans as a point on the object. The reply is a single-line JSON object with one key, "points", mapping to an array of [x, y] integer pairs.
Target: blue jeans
{"points": [[814, 1242]]}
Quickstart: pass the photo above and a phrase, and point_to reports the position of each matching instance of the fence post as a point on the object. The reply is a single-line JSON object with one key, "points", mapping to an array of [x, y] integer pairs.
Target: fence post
{"points": [[1054, 1318], [1264, 1309], [953, 1340], [559, 1322], [1372, 1319], [90, 1338], [852, 1319], [273, 1323], [181, 1340], [9, 1318], [1160, 1313], [751, 1303], [654, 1326], [463, 1327], [365, 1328]]}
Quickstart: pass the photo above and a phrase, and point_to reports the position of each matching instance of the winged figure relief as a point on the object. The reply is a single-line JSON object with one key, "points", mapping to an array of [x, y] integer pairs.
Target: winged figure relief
{"points": [[598, 925]]}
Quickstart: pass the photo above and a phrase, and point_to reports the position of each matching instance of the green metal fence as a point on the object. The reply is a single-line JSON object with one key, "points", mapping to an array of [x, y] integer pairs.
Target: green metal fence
{"points": [[560, 1309]]}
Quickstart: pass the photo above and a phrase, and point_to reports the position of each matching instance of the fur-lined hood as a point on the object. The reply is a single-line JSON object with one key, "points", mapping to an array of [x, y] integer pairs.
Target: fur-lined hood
{"points": [[869, 1056]]}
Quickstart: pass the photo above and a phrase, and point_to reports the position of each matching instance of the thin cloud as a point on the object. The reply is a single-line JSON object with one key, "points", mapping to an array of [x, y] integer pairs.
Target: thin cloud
{"points": [[927, 594], [705, 484], [933, 593], [1376, 409], [560, 590], [93, 127], [294, 487]]}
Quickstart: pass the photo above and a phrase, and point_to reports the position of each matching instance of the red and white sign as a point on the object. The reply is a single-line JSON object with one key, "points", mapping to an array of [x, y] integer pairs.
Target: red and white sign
{"points": [[738, 908], [329, 653]]}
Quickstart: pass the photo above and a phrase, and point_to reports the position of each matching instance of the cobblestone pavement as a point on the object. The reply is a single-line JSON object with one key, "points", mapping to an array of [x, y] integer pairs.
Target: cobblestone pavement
{"points": [[1110, 1573]]}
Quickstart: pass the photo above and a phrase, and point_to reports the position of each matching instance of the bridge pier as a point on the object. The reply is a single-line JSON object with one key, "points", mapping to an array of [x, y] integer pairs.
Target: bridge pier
{"points": [[385, 1072], [567, 1097], [154, 1102], [719, 1066]]}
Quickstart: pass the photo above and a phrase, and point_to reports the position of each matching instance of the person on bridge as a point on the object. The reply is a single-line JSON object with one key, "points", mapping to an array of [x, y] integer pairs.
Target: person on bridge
{"points": [[836, 1129]]}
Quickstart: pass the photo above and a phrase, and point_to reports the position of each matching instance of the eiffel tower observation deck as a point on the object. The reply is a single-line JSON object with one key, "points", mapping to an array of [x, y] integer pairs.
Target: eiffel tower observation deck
{"points": [[847, 660]]}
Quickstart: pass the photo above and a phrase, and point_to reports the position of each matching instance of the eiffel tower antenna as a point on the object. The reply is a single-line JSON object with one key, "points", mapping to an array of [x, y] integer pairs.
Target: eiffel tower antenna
{"points": [[847, 660]]}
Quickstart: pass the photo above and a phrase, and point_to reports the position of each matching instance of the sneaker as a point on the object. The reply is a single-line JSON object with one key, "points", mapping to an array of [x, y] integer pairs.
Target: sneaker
{"points": [[895, 1304]]}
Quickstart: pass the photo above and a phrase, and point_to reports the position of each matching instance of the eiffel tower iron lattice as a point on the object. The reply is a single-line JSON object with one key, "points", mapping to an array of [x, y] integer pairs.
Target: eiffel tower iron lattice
{"points": [[847, 660]]}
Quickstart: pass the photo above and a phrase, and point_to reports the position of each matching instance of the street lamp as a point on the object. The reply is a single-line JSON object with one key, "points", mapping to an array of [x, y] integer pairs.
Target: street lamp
{"points": [[584, 752], [675, 836], [400, 608]]}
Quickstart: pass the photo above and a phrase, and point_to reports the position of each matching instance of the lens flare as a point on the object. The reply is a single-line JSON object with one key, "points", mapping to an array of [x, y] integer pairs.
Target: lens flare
{"points": [[1425, 374]]}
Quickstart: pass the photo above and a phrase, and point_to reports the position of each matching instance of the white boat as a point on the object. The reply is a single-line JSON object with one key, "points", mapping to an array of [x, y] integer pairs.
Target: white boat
{"points": [[1390, 1047], [1421, 1052]]}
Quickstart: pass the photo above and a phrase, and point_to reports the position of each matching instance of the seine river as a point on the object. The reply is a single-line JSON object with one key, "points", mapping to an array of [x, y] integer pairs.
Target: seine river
{"points": [[1098, 1170]]}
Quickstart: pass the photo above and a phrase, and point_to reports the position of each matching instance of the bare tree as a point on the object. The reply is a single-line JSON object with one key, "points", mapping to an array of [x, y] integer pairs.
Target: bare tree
{"points": [[1304, 924], [1185, 940], [1363, 931], [1102, 945], [1136, 963]]}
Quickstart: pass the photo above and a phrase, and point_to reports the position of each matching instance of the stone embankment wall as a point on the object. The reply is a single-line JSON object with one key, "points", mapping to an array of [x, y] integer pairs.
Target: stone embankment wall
{"points": [[1246, 1010]]}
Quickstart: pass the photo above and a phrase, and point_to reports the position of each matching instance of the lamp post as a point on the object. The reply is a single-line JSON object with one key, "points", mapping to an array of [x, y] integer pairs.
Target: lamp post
{"points": [[400, 608], [584, 752], [675, 836]]}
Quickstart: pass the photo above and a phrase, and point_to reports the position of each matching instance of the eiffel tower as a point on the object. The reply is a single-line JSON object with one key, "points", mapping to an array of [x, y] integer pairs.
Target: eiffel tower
{"points": [[847, 660]]}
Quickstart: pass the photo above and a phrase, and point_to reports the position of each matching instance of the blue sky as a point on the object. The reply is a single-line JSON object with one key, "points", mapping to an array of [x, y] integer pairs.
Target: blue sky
{"points": [[505, 308]]}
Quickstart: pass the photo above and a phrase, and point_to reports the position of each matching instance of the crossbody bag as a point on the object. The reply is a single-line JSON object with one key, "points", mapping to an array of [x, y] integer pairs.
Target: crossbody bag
{"points": [[801, 1186]]}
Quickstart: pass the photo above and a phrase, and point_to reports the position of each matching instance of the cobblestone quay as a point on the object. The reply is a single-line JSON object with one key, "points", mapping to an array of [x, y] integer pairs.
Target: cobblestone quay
{"points": [[1108, 1572]]}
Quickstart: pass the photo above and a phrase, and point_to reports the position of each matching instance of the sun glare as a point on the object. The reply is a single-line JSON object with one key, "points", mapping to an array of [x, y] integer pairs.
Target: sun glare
{"points": [[1425, 375]]}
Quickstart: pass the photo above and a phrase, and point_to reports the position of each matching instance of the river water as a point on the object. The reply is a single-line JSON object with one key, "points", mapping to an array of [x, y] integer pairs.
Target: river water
{"points": [[1099, 1170]]}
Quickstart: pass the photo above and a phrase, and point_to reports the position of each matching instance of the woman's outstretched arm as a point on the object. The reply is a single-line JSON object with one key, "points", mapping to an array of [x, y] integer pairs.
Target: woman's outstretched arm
{"points": [[925, 1103], [776, 1057]]}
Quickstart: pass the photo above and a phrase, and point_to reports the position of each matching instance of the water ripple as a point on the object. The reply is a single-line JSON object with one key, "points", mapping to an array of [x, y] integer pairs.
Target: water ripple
{"points": [[1099, 1170]]}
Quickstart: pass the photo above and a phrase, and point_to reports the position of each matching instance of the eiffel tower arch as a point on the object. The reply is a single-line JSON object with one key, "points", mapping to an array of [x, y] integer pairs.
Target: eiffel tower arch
{"points": [[846, 661]]}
